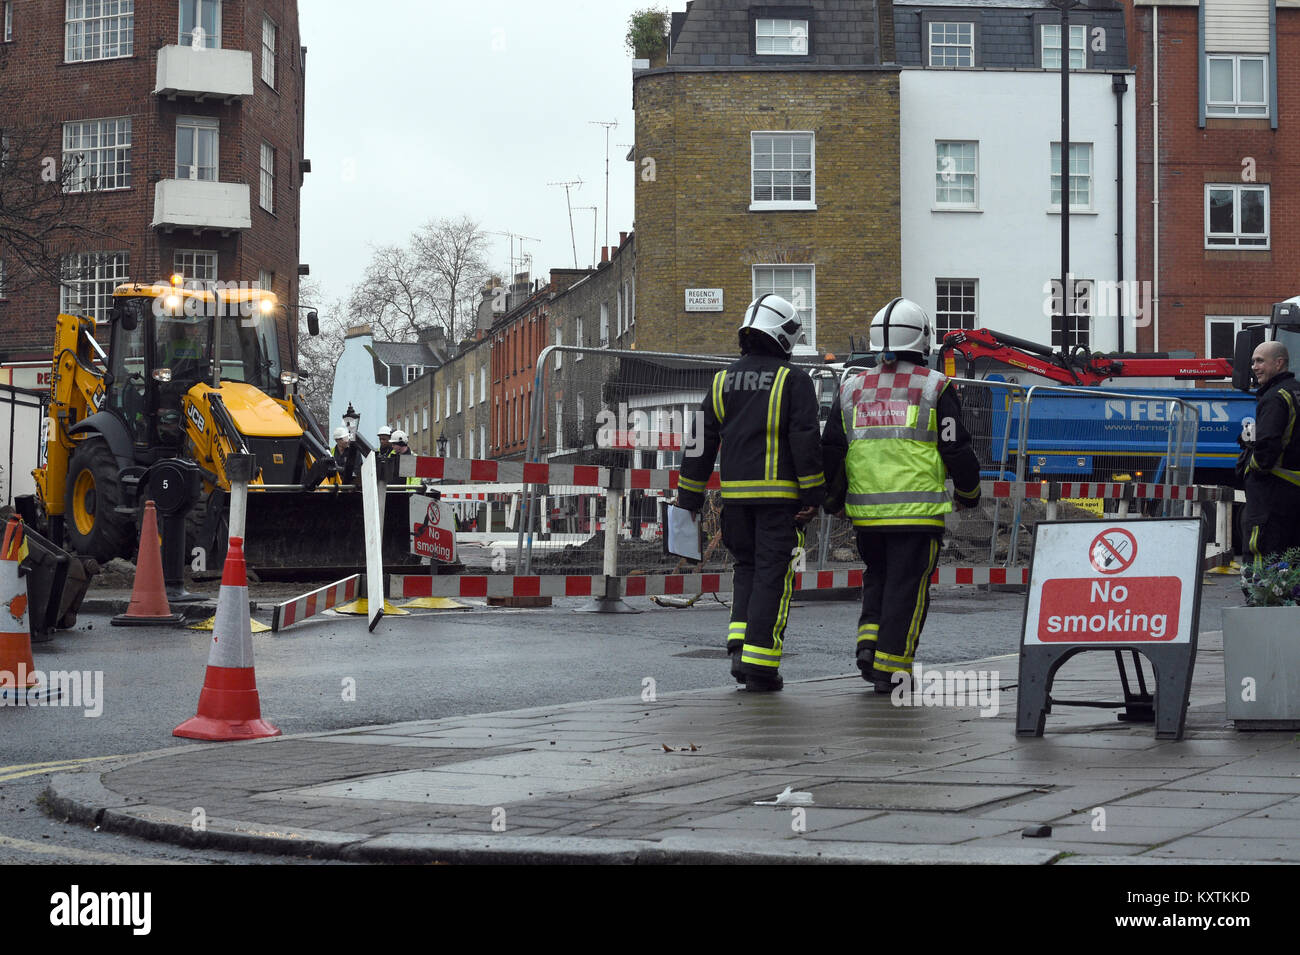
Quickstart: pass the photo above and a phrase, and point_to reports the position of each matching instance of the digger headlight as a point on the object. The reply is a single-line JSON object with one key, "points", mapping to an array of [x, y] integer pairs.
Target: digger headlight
{"points": [[288, 378]]}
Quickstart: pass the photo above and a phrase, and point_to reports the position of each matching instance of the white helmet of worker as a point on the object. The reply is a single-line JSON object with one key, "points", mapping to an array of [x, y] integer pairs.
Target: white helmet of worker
{"points": [[776, 318], [901, 326], [340, 433], [399, 437], [384, 431]]}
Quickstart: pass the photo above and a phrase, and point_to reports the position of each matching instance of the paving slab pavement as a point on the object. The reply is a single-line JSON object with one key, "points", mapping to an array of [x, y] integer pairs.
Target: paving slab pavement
{"points": [[677, 779]]}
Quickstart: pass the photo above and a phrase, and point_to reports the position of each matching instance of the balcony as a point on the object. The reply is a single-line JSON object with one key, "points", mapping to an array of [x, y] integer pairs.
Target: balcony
{"points": [[197, 204], [226, 75]]}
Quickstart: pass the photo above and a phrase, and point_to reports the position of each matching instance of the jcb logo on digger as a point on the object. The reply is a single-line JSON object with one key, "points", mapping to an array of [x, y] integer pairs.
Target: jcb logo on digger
{"points": [[97, 398], [195, 415]]}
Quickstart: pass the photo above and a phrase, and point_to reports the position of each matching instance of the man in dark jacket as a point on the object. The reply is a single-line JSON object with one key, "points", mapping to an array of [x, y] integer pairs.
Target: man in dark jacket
{"points": [[894, 435], [763, 412], [1271, 462]]}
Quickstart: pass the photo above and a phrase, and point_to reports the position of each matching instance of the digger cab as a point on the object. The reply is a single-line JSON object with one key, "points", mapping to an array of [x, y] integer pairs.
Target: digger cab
{"points": [[161, 344]]}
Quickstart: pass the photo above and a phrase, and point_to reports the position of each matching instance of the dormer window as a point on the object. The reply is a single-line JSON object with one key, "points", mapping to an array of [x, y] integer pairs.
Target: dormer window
{"points": [[780, 37], [952, 44]]}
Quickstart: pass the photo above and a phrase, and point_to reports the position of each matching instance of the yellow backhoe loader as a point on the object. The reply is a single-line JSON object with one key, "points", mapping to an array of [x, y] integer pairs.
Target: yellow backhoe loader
{"points": [[192, 373]]}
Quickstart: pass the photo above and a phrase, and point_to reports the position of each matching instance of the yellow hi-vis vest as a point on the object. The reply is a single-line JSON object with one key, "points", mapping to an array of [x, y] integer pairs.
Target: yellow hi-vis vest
{"points": [[895, 474]]}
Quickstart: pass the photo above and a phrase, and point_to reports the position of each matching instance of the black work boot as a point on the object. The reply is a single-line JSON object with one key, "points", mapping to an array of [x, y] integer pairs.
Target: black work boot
{"points": [[883, 682], [866, 658], [764, 682], [733, 651]]}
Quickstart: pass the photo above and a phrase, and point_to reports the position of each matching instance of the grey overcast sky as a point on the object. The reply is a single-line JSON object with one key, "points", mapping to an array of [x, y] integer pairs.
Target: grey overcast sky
{"points": [[428, 108]]}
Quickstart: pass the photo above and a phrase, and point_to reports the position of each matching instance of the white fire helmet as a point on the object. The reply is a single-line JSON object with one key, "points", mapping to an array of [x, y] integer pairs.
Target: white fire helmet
{"points": [[775, 317], [901, 326], [340, 433], [384, 431], [398, 437]]}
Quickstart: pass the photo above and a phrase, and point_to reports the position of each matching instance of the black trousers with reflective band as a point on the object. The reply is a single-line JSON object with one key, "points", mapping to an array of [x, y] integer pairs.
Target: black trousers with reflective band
{"points": [[895, 593], [762, 539], [1271, 523]]}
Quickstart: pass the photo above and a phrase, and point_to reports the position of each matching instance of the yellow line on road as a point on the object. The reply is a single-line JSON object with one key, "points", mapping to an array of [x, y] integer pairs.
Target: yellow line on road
{"points": [[19, 770], [80, 855]]}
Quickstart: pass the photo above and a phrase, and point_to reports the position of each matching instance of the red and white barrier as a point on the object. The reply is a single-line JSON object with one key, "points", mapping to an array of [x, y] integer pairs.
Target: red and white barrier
{"points": [[1169, 492], [502, 472], [1091, 490], [660, 480], [317, 602], [654, 585], [980, 575], [495, 585]]}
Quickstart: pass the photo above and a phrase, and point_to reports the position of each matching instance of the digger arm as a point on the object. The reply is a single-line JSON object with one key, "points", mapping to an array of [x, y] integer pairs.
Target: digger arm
{"points": [[1082, 368], [76, 392]]}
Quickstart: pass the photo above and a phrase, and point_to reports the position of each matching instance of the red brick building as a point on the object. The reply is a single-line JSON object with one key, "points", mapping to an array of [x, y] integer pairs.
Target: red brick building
{"points": [[516, 338], [178, 124], [1216, 176]]}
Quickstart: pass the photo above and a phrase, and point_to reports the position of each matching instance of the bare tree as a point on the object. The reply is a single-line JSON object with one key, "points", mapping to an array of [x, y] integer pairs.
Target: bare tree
{"points": [[452, 256], [434, 278], [42, 213], [319, 355], [392, 296]]}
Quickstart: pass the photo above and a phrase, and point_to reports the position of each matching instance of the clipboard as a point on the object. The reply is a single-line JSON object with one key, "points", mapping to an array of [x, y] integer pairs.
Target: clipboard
{"points": [[683, 535]]}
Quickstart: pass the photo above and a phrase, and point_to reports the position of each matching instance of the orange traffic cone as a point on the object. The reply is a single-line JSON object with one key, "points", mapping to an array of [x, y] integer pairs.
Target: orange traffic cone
{"points": [[229, 707], [149, 593], [17, 668]]}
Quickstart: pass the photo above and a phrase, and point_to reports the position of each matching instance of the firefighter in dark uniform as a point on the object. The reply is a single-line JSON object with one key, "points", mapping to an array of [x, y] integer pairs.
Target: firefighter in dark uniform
{"points": [[763, 413], [1271, 463], [894, 435]]}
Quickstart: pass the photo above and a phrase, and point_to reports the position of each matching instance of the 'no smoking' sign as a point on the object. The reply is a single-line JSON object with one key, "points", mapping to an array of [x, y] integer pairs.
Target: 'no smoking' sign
{"points": [[1112, 551]]}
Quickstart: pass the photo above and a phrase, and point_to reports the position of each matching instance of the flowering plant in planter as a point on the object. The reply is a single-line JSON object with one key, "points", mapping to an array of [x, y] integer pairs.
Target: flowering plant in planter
{"points": [[1274, 581]]}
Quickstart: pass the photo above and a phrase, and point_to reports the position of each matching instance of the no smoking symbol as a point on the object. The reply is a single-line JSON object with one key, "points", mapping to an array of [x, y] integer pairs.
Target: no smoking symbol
{"points": [[1112, 551]]}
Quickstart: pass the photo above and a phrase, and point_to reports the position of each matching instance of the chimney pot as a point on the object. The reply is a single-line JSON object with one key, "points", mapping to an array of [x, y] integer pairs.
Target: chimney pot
{"points": [[604, 253]]}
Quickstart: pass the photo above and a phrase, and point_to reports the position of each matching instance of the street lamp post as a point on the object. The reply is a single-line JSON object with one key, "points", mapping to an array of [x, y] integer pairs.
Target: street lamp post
{"points": [[1065, 6], [351, 418], [442, 445]]}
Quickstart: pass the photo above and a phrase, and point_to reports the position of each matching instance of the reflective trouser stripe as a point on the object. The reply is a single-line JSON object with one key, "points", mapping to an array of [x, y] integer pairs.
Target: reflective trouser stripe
{"points": [[868, 632], [783, 609], [1254, 545], [891, 663], [735, 633], [760, 656], [922, 595]]}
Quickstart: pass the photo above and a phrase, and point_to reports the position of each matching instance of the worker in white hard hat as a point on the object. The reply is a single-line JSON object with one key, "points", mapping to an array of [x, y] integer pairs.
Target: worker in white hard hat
{"points": [[385, 441], [894, 435], [342, 442], [763, 412]]}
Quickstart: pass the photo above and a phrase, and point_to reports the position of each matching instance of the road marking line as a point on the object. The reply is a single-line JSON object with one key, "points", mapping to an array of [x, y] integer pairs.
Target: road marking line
{"points": [[85, 855], [19, 770]]}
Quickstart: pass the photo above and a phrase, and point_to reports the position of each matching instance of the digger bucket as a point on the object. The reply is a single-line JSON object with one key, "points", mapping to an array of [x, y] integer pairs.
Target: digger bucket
{"points": [[298, 533]]}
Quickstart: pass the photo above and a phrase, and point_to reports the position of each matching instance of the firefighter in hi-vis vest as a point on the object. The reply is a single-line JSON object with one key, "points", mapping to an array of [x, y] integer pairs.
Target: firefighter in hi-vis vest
{"points": [[763, 412], [894, 434]]}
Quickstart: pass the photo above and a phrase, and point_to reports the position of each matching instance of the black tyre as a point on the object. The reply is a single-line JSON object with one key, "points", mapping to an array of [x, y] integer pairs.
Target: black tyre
{"points": [[94, 492], [212, 538]]}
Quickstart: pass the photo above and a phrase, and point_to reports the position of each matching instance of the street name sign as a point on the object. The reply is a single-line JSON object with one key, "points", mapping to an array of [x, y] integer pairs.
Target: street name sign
{"points": [[704, 300]]}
